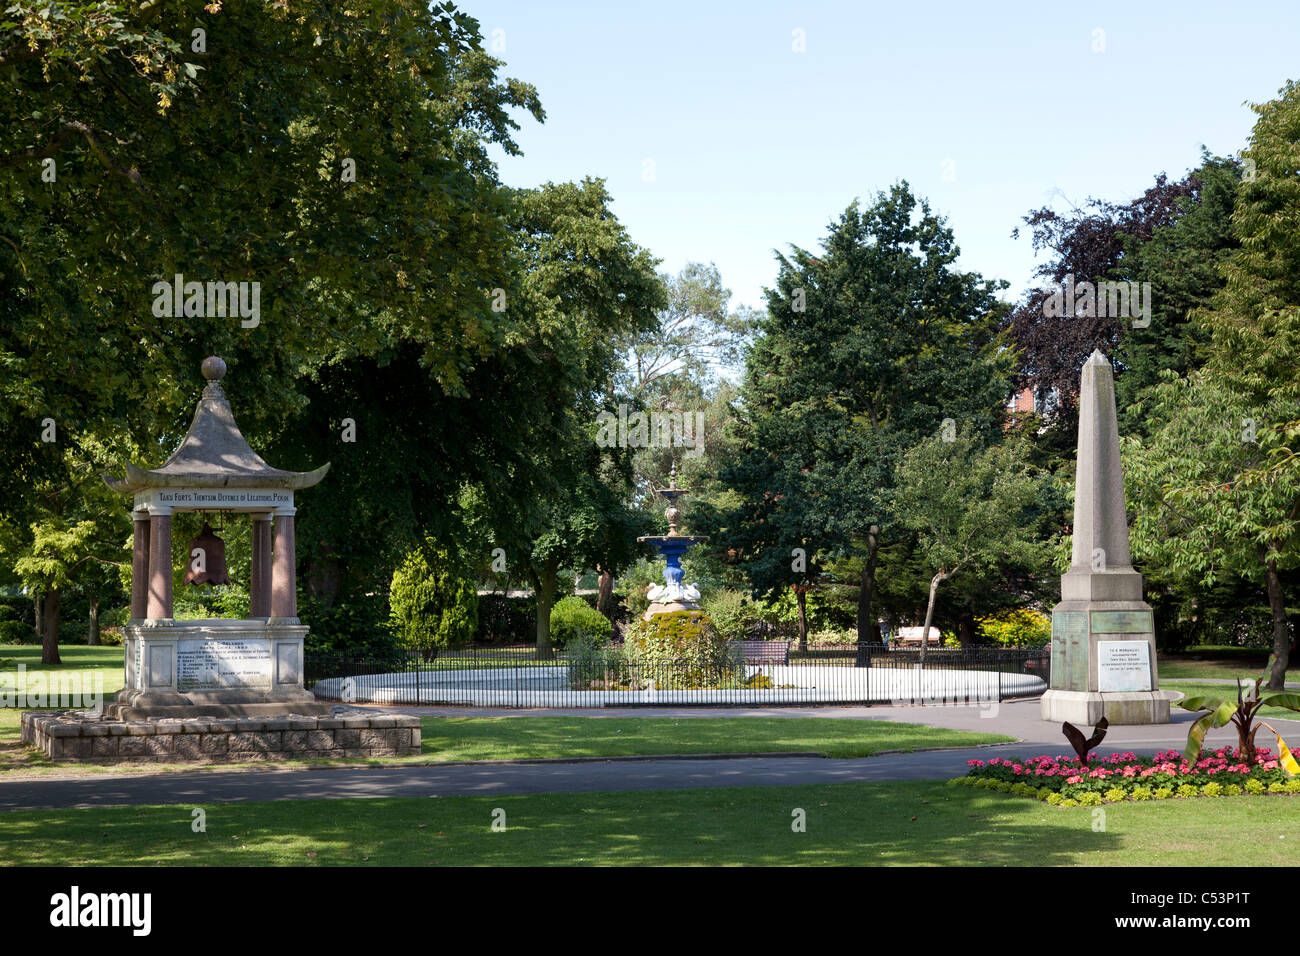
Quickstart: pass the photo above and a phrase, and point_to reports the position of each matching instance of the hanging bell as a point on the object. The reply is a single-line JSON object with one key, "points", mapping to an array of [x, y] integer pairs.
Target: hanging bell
{"points": [[207, 559]]}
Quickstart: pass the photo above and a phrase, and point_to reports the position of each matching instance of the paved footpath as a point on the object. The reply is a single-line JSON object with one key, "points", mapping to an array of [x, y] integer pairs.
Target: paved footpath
{"points": [[1019, 719]]}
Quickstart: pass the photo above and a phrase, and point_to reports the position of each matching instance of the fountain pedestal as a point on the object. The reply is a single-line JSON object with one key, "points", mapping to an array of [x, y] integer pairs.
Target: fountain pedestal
{"points": [[672, 595]]}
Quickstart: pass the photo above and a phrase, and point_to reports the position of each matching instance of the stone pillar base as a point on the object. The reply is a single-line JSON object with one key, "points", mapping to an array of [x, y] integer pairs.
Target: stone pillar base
{"points": [[654, 609], [1086, 708], [142, 705]]}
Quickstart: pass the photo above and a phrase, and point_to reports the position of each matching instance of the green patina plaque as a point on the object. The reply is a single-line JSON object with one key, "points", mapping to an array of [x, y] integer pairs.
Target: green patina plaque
{"points": [[1122, 622], [1070, 650]]}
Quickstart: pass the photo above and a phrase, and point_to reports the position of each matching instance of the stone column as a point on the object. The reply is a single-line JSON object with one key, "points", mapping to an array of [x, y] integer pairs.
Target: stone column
{"points": [[284, 582], [259, 587], [140, 566], [160, 565], [1103, 657]]}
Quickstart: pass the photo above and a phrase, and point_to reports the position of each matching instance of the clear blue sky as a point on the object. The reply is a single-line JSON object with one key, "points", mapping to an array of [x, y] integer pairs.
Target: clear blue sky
{"points": [[987, 109]]}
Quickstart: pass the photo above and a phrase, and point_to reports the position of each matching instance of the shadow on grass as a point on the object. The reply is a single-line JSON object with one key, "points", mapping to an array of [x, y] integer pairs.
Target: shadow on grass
{"points": [[923, 824]]}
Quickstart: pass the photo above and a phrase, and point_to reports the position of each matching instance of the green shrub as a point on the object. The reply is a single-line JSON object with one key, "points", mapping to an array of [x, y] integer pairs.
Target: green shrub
{"points": [[1291, 786], [1091, 799], [683, 650], [1045, 794], [17, 632], [573, 617], [506, 620], [833, 636], [231, 600], [593, 664], [1054, 799], [1069, 802], [1187, 790], [1276, 787], [17, 620], [636, 602], [1016, 628], [1212, 789], [356, 624], [730, 611], [1162, 793], [432, 604], [1254, 787], [1115, 795], [1232, 790], [1141, 793], [826, 608]]}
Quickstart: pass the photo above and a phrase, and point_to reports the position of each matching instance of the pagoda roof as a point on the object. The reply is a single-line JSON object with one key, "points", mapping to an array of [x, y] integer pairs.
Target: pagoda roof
{"points": [[213, 454]]}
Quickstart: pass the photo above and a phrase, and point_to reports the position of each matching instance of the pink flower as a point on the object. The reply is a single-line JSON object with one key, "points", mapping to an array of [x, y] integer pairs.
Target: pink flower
{"points": [[1075, 779]]}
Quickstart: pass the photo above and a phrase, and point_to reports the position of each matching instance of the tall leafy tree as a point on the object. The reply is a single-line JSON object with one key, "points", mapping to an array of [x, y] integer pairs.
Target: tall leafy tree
{"points": [[1219, 478], [972, 508], [1174, 236], [584, 288], [868, 347], [334, 154]]}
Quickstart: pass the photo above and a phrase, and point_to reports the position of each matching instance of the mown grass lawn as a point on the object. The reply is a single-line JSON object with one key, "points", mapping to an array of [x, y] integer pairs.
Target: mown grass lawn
{"points": [[480, 738], [1212, 661], [447, 739], [1226, 692], [103, 661], [864, 824]]}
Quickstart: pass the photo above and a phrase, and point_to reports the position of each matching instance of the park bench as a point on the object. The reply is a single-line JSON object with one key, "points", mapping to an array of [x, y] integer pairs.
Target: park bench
{"points": [[766, 652], [911, 637]]}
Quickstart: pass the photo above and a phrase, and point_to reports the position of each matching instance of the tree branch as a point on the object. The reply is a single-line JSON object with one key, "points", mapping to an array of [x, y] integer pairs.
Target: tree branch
{"points": [[65, 131]]}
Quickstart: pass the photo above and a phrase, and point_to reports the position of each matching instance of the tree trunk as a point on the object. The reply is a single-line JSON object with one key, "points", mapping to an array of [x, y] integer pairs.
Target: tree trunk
{"points": [[1281, 632], [92, 638], [37, 616], [929, 611], [866, 624], [50, 640], [323, 575], [966, 628], [801, 600], [544, 594], [605, 595]]}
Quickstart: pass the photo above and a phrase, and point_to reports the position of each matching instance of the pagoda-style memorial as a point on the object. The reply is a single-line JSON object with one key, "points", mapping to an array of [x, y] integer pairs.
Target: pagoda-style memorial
{"points": [[214, 667], [1103, 633], [244, 676]]}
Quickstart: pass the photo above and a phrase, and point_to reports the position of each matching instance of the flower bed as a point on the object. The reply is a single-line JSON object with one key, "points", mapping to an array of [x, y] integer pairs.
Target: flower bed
{"points": [[1067, 782]]}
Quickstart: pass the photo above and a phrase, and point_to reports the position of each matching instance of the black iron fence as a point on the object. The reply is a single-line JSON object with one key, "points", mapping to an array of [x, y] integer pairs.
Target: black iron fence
{"points": [[750, 674]]}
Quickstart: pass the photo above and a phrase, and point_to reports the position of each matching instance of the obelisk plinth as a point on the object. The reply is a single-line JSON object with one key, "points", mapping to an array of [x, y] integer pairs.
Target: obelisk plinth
{"points": [[1103, 633]]}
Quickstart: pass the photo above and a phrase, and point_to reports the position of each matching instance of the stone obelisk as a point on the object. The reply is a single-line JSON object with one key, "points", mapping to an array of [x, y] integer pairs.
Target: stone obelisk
{"points": [[1103, 633]]}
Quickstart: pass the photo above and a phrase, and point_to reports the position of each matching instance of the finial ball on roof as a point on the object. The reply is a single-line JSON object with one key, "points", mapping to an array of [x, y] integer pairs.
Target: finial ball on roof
{"points": [[213, 368]]}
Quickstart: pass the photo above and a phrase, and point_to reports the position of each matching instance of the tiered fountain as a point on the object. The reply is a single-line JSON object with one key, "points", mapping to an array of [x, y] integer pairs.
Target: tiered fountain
{"points": [[672, 595]]}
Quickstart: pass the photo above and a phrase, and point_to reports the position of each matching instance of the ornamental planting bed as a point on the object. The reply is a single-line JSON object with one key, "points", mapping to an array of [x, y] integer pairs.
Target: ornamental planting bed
{"points": [[1119, 777]]}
